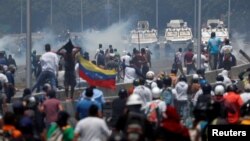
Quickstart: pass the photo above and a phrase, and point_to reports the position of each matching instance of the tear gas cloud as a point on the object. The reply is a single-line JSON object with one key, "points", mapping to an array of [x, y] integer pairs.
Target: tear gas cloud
{"points": [[113, 35], [89, 40], [10, 44], [239, 42]]}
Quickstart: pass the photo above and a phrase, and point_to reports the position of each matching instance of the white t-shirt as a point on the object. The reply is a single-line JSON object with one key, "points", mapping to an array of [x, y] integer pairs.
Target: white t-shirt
{"points": [[92, 129], [127, 58], [49, 62], [130, 75], [203, 59]]}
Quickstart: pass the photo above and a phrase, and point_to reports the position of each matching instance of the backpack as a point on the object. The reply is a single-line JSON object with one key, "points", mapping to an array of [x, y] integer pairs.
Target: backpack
{"points": [[167, 96], [148, 84], [152, 113], [227, 57], [57, 135], [135, 126]]}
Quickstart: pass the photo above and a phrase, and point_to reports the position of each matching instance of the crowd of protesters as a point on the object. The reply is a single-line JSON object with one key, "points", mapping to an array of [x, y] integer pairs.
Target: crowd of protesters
{"points": [[215, 55], [159, 106], [155, 108]]}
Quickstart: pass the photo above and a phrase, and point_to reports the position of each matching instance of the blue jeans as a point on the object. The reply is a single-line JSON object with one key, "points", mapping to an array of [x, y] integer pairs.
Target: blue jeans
{"points": [[43, 77], [182, 108]]}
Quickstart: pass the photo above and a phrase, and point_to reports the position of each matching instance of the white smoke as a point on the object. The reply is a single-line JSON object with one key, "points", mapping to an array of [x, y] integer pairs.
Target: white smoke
{"points": [[239, 43], [45, 37], [89, 41], [113, 35], [10, 45]]}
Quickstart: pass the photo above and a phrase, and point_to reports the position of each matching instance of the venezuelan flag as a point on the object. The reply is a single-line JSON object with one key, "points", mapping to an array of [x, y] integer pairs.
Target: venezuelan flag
{"points": [[96, 76]]}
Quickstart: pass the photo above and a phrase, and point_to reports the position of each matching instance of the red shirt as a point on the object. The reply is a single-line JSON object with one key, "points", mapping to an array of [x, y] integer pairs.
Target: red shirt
{"points": [[51, 109], [188, 58], [236, 101]]}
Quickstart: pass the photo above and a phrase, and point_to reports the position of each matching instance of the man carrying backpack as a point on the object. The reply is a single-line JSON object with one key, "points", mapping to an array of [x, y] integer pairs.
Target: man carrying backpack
{"points": [[167, 94], [155, 110]]}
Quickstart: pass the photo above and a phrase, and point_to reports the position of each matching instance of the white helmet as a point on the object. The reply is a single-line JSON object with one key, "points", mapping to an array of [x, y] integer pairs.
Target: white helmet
{"points": [[219, 90], [195, 77], [134, 99], [156, 92], [150, 75]]}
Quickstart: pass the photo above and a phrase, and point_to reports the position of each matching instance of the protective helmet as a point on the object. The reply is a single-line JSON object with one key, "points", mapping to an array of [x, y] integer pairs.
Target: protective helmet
{"points": [[206, 89], [219, 90], [219, 78], [167, 81], [195, 77], [182, 78], [123, 93], [156, 92], [31, 103], [134, 99], [150, 75], [203, 82]]}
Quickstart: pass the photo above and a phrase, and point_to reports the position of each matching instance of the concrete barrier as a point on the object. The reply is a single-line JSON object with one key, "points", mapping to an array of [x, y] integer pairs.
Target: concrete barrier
{"points": [[210, 76], [69, 106]]}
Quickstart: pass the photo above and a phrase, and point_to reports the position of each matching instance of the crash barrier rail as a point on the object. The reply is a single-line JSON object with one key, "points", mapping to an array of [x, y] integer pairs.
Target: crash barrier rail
{"points": [[111, 94]]}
